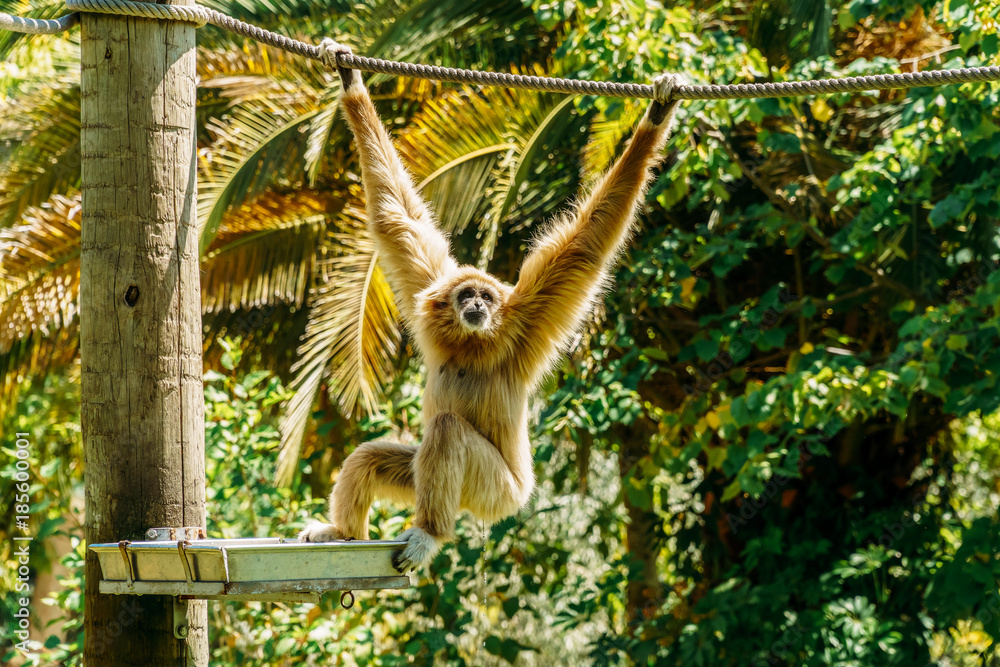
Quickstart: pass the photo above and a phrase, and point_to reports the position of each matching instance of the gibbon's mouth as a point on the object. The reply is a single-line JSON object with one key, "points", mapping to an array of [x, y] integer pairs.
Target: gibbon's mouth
{"points": [[474, 319]]}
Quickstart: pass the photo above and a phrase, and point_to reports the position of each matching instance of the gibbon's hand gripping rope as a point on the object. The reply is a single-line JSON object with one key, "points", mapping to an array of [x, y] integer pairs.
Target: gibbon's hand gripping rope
{"points": [[202, 15]]}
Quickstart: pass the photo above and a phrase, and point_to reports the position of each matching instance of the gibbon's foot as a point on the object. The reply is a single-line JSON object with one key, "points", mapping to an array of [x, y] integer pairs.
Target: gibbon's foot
{"points": [[328, 51], [320, 532], [419, 551], [663, 90]]}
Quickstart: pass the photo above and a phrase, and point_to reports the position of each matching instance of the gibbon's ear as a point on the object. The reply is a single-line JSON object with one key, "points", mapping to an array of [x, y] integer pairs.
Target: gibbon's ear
{"points": [[329, 52]]}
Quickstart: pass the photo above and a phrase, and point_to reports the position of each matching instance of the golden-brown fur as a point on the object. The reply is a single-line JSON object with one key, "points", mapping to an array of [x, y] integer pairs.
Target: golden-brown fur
{"points": [[475, 453]]}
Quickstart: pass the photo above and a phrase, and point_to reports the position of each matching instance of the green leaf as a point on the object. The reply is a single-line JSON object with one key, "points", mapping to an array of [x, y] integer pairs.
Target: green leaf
{"points": [[738, 410], [956, 342], [511, 606], [706, 349], [493, 644], [947, 209], [772, 338]]}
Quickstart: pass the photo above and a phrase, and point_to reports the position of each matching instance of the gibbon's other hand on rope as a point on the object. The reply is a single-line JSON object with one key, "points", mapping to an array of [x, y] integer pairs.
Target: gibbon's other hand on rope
{"points": [[486, 345]]}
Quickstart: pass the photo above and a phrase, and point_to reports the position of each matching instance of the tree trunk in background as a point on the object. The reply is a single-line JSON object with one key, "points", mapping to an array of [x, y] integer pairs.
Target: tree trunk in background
{"points": [[645, 592], [140, 321]]}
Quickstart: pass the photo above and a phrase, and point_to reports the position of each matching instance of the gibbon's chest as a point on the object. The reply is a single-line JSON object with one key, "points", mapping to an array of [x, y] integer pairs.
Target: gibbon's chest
{"points": [[487, 400]]}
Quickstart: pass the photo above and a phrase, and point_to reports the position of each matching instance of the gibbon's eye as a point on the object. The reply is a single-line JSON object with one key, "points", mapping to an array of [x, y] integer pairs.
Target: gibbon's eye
{"points": [[466, 294], [487, 297]]}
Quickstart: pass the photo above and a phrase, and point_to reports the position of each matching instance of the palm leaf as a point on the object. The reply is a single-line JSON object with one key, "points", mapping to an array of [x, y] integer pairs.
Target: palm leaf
{"points": [[320, 128], [43, 156], [39, 283], [607, 134], [254, 147], [36, 9], [444, 32], [263, 252], [452, 142], [352, 335]]}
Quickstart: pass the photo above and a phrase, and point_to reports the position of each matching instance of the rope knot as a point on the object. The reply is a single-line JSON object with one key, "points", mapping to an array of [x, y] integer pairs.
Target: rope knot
{"points": [[331, 51], [665, 85]]}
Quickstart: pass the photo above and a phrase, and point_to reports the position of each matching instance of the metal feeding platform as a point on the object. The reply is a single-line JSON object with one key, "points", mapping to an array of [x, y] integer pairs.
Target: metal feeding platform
{"points": [[270, 569]]}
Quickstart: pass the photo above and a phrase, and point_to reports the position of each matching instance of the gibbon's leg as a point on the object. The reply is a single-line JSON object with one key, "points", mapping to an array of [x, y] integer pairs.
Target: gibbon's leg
{"points": [[454, 467], [373, 470]]}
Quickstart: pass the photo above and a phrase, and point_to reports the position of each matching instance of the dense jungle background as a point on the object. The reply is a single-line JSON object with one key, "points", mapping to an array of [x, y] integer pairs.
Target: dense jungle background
{"points": [[776, 444]]}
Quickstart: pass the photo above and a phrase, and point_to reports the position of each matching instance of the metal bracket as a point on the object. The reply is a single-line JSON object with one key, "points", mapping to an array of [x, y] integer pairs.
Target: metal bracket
{"points": [[129, 572], [180, 618], [190, 533], [187, 566]]}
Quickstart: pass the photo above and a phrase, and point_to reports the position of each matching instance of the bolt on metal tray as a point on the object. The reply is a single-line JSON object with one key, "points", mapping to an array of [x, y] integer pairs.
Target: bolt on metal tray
{"points": [[247, 569]]}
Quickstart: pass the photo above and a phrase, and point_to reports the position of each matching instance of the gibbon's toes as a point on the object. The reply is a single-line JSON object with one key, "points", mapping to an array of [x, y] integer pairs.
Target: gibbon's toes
{"points": [[320, 532], [664, 86], [419, 551]]}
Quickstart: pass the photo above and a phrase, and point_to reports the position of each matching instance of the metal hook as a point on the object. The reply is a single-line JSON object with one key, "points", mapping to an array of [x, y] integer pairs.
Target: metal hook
{"points": [[129, 572], [344, 595], [181, 545]]}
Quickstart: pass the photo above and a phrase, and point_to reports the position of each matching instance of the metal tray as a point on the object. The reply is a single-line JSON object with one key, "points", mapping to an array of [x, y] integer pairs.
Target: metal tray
{"points": [[247, 569]]}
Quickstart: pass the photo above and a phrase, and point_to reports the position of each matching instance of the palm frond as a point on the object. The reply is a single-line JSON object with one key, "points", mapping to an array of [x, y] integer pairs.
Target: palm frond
{"points": [[258, 72], [43, 153], [270, 10], [452, 142], [296, 418], [254, 147], [320, 128], [352, 334], [40, 270], [445, 32], [36, 355], [263, 252], [607, 134]]}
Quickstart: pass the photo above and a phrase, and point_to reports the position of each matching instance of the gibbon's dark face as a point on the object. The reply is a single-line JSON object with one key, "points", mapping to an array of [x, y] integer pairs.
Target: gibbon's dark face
{"points": [[476, 305]]}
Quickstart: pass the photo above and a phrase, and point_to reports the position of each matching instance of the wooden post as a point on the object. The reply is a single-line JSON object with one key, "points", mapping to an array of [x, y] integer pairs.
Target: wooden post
{"points": [[140, 321]]}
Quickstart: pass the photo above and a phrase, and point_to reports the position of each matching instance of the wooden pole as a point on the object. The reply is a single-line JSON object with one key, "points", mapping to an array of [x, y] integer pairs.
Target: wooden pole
{"points": [[140, 322]]}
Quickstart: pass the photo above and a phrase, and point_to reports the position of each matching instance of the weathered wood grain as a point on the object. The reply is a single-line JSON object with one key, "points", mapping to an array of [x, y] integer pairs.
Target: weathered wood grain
{"points": [[140, 338]]}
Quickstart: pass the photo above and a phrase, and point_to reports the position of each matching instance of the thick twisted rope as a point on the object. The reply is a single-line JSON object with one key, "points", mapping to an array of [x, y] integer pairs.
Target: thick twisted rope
{"points": [[202, 15], [38, 26]]}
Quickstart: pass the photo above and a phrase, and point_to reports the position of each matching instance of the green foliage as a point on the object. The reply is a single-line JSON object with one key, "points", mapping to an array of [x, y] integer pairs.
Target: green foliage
{"points": [[778, 446], [47, 418]]}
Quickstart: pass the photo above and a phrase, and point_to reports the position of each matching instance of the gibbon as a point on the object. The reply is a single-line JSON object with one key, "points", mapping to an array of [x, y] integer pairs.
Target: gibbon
{"points": [[486, 345]]}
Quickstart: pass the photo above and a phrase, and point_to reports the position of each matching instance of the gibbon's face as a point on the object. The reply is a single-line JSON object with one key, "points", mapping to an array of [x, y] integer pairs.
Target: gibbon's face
{"points": [[476, 305]]}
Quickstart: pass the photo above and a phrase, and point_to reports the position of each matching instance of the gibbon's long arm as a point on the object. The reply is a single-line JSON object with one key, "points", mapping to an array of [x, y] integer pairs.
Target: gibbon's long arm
{"points": [[565, 270], [412, 249]]}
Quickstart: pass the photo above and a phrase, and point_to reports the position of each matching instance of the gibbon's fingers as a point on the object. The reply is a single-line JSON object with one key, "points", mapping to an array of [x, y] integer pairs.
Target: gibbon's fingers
{"points": [[328, 52], [662, 108], [663, 105]]}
